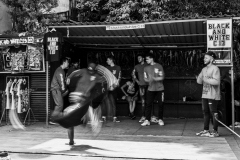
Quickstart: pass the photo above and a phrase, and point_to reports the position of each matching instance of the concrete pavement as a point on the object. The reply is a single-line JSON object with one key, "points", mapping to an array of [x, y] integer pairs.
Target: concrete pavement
{"points": [[125, 140]]}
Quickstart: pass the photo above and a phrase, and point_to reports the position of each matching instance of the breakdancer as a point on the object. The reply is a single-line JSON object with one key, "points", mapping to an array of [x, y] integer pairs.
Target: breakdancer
{"points": [[87, 88]]}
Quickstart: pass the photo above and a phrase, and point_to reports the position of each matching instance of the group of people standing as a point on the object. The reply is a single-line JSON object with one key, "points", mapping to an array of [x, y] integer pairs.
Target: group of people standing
{"points": [[148, 76], [147, 81]]}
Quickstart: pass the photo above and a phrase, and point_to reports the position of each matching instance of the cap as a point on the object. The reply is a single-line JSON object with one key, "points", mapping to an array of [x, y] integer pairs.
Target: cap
{"points": [[91, 66], [210, 53]]}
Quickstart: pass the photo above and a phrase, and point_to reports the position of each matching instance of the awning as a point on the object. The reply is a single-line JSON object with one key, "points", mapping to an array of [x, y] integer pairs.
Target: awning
{"points": [[174, 33]]}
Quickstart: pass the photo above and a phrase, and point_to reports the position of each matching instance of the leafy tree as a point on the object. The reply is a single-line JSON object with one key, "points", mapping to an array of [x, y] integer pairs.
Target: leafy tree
{"points": [[118, 10], [30, 16]]}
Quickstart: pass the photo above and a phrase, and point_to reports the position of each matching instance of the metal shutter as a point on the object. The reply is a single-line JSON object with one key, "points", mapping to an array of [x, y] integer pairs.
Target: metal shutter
{"points": [[38, 96]]}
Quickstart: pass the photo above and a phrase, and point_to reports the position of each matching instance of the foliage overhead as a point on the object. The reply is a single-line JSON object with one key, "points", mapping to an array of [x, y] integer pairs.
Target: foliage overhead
{"points": [[119, 10], [31, 16]]}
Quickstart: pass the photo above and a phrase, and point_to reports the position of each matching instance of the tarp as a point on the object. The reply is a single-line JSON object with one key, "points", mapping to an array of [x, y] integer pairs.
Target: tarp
{"points": [[177, 33], [163, 33]]}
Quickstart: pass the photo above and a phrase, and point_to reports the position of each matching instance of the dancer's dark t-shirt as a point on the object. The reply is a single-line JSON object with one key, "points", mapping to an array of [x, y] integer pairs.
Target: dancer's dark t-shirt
{"points": [[83, 81]]}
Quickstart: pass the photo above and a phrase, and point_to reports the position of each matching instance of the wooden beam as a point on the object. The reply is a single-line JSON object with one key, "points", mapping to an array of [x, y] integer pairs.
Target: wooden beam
{"points": [[133, 36], [87, 44]]}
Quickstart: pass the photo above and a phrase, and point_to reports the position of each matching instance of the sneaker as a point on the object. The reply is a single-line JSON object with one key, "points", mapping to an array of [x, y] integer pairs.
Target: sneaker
{"points": [[142, 119], [204, 133], [52, 123], [154, 119], [236, 124], [115, 120], [214, 134], [160, 122], [146, 123], [103, 119]]}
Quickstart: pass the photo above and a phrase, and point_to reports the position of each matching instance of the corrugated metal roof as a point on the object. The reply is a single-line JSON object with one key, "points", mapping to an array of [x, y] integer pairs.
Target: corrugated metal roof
{"points": [[177, 32]]}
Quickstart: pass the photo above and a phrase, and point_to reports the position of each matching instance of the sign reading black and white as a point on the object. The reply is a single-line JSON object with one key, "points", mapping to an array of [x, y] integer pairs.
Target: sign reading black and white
{"points": [[219, 40], [219, 33]]}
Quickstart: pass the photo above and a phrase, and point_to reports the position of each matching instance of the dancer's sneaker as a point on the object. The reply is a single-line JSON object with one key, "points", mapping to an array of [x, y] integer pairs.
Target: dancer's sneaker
{"points": [[154, 119], [160, 122], [70, 143], [214, 134], [204, 133], [146, 123], [115, 120], [142, 119]]}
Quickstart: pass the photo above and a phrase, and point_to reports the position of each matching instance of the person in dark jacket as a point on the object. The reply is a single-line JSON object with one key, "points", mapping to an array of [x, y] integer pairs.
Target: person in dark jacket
{"points": [[58, 87]]}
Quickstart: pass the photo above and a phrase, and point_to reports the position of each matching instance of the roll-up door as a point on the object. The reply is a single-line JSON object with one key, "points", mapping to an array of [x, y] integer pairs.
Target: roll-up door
{"points": [[38, 96]]}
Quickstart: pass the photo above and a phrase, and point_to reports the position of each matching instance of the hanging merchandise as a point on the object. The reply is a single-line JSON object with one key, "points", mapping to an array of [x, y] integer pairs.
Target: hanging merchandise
{"points": [[8, 94], [52, 45], [17, 93]]}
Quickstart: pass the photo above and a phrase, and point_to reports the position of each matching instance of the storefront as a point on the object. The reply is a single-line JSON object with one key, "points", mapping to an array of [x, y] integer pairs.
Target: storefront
{"points": [[23, 77], [178, 44]]}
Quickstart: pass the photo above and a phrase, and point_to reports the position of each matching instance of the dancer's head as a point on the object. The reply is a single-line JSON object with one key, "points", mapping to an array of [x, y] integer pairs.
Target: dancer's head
{"points": [[91, 67], [209, 57]]}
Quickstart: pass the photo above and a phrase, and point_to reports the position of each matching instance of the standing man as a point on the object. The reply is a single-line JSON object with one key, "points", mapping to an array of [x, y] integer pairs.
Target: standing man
{"points": [[210, 78], [154, 75], [116, 71], [58, 87], [139, 69]]}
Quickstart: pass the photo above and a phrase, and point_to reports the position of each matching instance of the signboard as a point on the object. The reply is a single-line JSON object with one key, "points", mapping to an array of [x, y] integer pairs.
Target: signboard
{"points": [[219, 40], [16, 41], [125, 27]]}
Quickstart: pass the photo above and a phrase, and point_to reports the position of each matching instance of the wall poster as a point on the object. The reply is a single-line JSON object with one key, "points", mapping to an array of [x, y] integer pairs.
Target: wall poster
{"points": [[219, 40], [22, 58]]}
